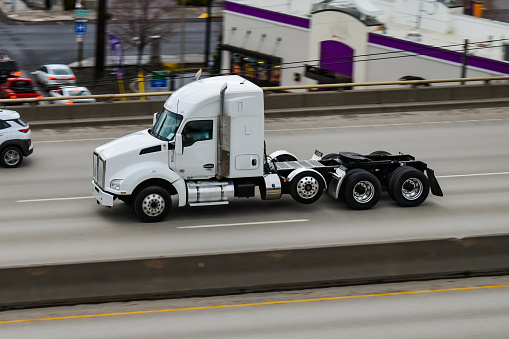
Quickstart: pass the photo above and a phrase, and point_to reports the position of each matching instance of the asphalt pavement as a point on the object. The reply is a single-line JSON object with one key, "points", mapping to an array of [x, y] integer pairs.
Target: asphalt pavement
{"points": [[466, 308]]}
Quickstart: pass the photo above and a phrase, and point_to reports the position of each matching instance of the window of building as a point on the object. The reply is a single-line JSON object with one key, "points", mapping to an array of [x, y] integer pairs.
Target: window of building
{"points": [[262, 69]]}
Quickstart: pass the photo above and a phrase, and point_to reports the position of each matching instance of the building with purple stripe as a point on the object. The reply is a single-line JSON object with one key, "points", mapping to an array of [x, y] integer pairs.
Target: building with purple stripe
{"points": [[304, 42]]}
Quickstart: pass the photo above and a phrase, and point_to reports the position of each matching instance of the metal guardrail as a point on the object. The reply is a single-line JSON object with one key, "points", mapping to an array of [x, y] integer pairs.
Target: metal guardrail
{"points": [[485, 80]]}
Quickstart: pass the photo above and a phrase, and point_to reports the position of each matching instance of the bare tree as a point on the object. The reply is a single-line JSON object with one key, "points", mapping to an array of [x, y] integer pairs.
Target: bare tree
{"points": [[134, 22]]}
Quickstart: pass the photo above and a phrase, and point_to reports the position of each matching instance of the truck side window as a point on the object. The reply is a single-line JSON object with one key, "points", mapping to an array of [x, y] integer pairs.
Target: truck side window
{"points": [[196, 130]]}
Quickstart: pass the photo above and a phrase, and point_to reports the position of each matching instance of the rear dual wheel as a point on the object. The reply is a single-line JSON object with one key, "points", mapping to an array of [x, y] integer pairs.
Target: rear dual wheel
{"points": [[408, 186], [361, 189]]}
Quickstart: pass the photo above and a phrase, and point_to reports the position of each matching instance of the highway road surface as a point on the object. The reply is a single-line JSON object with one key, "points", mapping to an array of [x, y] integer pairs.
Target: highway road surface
{"points": [[452, 309], [49, 215]]}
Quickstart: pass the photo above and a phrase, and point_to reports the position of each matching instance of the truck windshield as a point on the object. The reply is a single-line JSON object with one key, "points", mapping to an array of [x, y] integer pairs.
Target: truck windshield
{"points": [[166, 125]]}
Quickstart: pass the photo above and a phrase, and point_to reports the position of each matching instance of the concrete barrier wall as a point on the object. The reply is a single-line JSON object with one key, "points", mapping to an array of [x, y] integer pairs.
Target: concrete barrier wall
{"points": [[421, 98], [248, 272]]}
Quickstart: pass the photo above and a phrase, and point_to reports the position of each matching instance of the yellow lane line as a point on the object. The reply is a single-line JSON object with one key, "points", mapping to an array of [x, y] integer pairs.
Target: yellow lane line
{"points": [[255, 304]]}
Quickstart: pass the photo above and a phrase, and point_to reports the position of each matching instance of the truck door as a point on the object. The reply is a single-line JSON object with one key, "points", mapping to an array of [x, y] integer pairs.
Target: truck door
{"points": [[198, 160]]}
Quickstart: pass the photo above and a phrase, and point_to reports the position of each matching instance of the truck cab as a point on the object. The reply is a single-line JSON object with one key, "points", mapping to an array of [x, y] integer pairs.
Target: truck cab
{"points": [[208, 134]]}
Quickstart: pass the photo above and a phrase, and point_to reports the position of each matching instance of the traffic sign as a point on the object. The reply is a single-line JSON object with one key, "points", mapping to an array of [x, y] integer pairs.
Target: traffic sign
{"points": [[81, 13], [158, 83], [80, 27]]}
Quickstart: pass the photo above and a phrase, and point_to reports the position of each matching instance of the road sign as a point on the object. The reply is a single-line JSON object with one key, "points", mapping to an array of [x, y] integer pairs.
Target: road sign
{"points": [[81, 13], [80, 28], [158, 83]]}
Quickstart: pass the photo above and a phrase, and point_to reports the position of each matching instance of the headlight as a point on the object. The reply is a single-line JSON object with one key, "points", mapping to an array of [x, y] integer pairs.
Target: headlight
{"points": [[115, 184]]}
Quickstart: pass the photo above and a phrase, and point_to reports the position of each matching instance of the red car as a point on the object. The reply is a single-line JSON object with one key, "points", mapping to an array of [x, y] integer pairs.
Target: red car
{"points": [[18, 88]]}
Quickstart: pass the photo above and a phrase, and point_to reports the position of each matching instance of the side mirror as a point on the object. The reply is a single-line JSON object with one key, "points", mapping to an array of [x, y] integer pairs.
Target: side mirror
{"points": [[178, 144], [154, 119]]}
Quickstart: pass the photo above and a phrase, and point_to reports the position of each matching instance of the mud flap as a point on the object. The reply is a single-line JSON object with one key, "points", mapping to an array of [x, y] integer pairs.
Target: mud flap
{"points": [[433, 183]]}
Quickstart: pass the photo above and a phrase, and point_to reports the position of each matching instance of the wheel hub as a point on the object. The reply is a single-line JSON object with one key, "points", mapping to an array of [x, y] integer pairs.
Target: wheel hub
{"points": [[307, 187], [363, 192], [153, 205], [412, 189], [11, 157]]}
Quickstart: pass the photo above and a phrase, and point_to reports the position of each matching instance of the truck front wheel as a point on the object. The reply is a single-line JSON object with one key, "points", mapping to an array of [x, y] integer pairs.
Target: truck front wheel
{"points": [[306, 187], [361, 190], [152, 204]]}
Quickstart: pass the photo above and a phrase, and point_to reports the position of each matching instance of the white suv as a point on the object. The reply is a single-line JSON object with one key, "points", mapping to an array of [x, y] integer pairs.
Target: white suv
{"points": [[15, 142]]}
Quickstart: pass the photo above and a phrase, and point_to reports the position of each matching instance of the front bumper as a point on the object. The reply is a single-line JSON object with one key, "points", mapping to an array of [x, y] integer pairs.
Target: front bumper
{"points": [[102, 197]]}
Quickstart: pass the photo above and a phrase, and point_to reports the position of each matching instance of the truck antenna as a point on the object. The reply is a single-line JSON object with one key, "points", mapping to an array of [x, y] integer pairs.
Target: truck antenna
{"points": [[198, 74]]}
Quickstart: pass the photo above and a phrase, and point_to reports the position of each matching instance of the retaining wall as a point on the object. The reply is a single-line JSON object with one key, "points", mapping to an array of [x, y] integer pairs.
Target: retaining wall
{"points": [[202, 275], [288, 104]]}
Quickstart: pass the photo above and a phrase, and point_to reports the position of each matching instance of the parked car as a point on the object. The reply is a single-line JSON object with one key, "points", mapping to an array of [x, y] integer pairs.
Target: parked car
{"points": [[15, 139], [71, 91], [8, 68], [55, 75], [18, 88]]}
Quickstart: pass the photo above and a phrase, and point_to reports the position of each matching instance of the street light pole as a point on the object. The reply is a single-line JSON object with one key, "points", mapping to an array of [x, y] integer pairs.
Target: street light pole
{"points": [[207, 33], [182, 40], [100, 38]]}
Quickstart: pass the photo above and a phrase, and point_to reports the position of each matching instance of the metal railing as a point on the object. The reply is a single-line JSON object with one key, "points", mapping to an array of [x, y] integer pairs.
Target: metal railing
{"points": [[113, 97]]}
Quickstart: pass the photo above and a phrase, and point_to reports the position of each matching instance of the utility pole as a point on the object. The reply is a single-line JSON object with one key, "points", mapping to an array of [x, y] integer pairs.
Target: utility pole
{"points": [[182, 41], [100, 38], [464, 61], [207, 34]]}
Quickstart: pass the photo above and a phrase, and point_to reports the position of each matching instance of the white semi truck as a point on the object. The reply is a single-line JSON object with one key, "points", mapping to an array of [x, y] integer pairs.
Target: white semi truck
{"points": [[207, 147]]}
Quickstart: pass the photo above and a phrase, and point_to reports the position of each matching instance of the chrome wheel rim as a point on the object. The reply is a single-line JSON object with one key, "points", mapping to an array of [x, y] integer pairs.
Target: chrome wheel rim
{"points": [[153, 205], [363, 191], [11, 157], [307, 187], [412, 189]]}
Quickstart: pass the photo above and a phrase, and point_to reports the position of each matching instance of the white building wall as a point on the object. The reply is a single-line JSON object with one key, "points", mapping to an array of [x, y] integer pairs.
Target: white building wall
{"points": [[479, 29], [333, 25], [406, 63], [291, 47], [433, 15]]}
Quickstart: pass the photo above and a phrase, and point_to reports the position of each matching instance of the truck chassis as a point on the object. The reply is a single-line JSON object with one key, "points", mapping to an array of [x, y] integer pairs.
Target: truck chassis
{"points": [[356, 179]]}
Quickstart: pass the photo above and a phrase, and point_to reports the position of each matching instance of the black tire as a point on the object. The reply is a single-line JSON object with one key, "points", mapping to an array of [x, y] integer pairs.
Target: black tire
{"points": [[392, 176], [307, 187], [285, 157], [410, 188], [348, 173], [380, 153], [330, 156], [152, 204], [361, 190], [11, 157]]}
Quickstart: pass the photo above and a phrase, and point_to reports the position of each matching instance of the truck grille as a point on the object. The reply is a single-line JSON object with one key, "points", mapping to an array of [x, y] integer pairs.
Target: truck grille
{"points": [[99, 170]]}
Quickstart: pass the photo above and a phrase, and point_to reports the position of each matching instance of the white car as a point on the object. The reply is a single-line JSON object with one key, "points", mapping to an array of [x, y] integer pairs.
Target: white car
{"points": [[55, 75], [15, 139], [71, 91]]}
